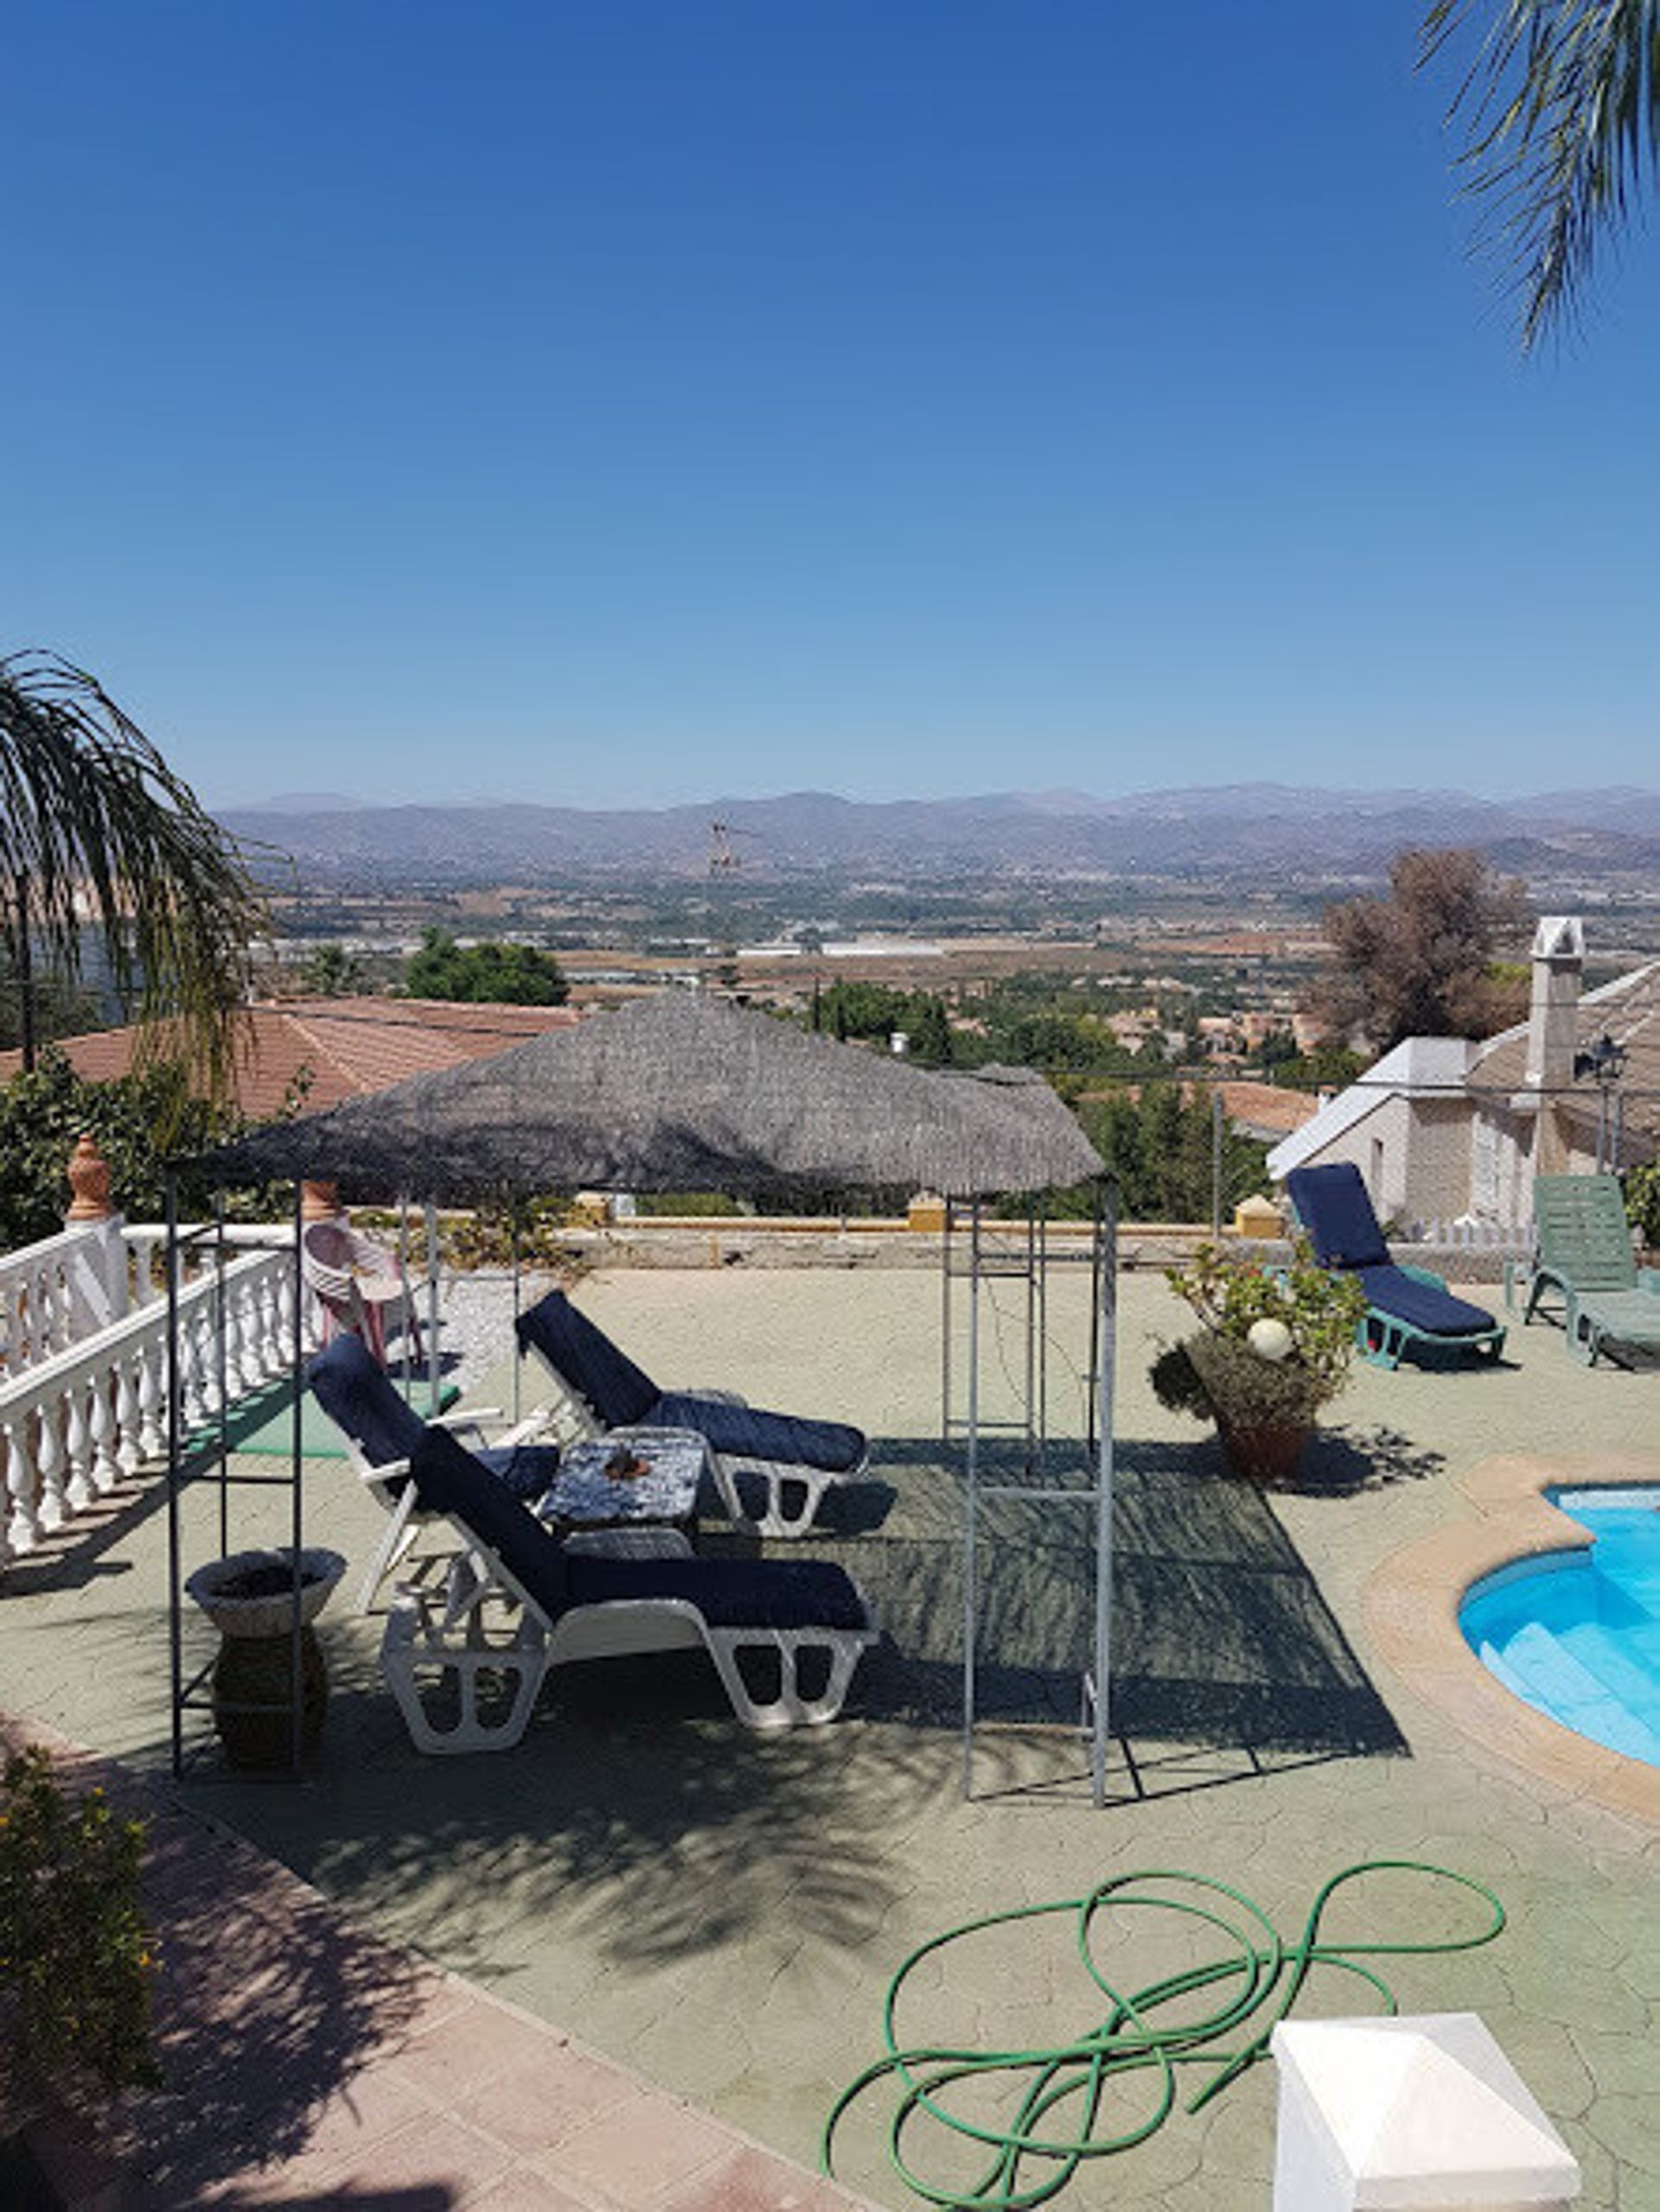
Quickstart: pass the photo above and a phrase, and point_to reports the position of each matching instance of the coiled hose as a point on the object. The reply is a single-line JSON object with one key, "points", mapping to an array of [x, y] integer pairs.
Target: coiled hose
{"points": [[1061, 2094]]}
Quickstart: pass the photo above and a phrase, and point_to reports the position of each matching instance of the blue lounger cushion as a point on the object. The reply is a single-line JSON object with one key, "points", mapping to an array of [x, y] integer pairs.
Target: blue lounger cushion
{"points": [[623, 1396], [1336, 1211], [360, 1399], [577, 1348], [1421, 1305], [749, 1432], [729, 1593], [448, 1480]]}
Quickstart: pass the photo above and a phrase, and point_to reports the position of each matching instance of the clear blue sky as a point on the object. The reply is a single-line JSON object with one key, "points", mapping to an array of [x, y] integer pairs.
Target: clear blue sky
{"points": [[623, 403]]}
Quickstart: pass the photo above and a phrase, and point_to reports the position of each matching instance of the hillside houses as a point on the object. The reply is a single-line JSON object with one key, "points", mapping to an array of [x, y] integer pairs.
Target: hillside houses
{"points": [[1450, 1128]]}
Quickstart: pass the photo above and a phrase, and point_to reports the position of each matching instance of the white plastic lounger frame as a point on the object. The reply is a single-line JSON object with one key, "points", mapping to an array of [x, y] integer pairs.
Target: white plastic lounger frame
{"points": [[783, 1477], [445, 1636], [405, 1517]]}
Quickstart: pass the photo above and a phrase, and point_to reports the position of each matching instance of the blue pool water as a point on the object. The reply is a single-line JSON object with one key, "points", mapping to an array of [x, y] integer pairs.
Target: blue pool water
{"points": [[1577, 1633]]}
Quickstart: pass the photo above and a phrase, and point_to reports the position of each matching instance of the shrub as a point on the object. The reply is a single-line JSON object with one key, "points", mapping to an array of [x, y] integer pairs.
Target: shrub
{"points": [[1215, 1374], [1643, 1201], [76, 1956], [1220, 1378]]}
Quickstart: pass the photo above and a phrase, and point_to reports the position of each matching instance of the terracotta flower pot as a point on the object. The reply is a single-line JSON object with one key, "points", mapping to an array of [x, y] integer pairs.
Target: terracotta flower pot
{"points": [[1264, 1454]]}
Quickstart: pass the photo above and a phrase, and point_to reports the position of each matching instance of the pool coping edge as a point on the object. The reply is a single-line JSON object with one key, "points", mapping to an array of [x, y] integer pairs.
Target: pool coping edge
{"points": [[1411, 1606]]}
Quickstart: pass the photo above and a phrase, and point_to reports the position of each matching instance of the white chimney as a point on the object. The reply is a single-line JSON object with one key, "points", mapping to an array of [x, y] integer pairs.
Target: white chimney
{"points": [[1553, 1018]]}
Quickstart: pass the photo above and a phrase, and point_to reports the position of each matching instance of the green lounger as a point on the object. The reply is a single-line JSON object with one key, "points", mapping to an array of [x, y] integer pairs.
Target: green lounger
{"points": [[1584, 1261]]}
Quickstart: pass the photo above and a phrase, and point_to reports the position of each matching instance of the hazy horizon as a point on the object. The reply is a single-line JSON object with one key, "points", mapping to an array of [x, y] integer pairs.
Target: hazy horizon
{"points": [[328, 801]]}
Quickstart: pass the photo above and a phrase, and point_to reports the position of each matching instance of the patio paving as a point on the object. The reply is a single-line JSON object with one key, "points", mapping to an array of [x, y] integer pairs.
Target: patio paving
{"points": [[720, 1911]]}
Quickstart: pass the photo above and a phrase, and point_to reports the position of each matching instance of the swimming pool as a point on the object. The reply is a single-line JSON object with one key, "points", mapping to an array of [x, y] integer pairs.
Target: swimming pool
{"points": [[1577, 1633]]}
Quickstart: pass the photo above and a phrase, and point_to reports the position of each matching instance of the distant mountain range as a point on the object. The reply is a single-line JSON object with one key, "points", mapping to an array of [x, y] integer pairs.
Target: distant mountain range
{"points": [[1274, 832]]}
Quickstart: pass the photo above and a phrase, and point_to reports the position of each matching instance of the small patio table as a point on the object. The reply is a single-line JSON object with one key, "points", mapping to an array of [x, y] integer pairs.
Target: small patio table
{"points": [[593, 1490]]}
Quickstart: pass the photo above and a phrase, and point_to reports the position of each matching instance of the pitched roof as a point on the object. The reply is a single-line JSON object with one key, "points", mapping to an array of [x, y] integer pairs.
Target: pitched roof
{"points": [[337, 1047], [1267, 1109], [1417, 1067], [1628, 1011]]}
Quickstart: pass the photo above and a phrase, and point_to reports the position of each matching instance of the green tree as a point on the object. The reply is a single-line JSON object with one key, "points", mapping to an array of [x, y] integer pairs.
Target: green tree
{"points": [[502, 975], [1158, 1141], [1422, 962], [1327, 1067], [1560, 101], [42, 1112], [331, 971], [97, 836]]}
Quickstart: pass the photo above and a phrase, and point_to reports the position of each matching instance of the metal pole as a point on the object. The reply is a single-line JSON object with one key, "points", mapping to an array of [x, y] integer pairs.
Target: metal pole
{"points": [[945, 1323], [1216, 1162], [434, 1379], [221, 1373], [1041, 1289], [1032, 1340], [512, 1262], [1104, 1414], [295, 1517], [174, 1442], [970, 1514]]}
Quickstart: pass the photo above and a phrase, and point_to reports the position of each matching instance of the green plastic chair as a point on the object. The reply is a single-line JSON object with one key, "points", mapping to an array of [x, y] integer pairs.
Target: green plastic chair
{"points": [[1585, 1260]]}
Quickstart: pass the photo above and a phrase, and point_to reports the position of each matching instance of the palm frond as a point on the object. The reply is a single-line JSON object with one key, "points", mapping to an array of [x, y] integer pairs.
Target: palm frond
{"points": [[96, 830], [1559, 104]]}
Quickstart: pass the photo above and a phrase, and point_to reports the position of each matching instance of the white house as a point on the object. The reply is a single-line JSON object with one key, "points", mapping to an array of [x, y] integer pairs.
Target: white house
{"points": [[1405, 1123], [1445, 1128]]}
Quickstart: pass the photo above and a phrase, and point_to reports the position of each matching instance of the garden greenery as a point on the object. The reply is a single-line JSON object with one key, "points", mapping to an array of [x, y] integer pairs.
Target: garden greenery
{"points": [[1216, 1375], [77, 1958], [1642, 1202]]}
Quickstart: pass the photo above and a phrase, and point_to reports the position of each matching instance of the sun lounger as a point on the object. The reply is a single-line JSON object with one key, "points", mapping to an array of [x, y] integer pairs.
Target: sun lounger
{"points": [[793, 1460], [381, 1429], [784, 1635], [1408, 1308], [1585, 1261]]}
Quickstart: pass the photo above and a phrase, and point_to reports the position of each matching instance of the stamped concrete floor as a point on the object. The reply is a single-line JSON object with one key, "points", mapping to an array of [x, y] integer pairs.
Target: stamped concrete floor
{"points": [[721, 1911]]}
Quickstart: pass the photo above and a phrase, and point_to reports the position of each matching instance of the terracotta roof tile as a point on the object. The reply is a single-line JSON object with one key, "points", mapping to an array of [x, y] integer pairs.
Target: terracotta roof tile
{"points": [[1628, 1011], [341, 1047], [1268, 1107]]}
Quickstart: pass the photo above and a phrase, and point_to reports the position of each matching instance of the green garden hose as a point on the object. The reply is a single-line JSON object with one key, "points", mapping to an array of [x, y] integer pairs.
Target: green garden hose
{"points": [[1060, 2094]]}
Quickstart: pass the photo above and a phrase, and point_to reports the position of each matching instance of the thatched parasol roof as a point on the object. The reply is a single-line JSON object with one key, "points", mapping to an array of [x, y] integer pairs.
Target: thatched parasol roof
{"points": [[683, 1092]]}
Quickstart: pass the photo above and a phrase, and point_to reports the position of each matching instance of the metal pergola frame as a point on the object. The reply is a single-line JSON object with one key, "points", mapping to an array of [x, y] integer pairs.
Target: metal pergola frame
{"points": [[977, 1252], [194, 1456], [977, 1249]]}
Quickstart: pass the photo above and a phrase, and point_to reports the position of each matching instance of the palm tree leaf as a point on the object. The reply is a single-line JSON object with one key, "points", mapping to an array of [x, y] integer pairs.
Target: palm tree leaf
{"points": [[96, 831], [1560, 102]]}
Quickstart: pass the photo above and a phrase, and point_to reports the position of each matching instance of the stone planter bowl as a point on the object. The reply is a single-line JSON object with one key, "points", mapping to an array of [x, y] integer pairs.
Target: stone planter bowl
{"points": [[271, 1616]]}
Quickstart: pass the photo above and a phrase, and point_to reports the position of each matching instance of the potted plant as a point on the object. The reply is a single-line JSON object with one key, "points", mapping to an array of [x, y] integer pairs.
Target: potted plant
{"points": [[77, 1959], [252, 1599], [1274, 1348]]}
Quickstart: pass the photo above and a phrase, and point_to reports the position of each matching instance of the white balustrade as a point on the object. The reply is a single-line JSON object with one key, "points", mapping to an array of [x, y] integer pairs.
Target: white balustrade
{"points": [[92, 1413], [44, 1297]]}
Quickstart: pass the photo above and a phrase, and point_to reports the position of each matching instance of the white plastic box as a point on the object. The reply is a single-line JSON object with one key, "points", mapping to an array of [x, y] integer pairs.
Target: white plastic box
{"points": [[1423, 2115]]}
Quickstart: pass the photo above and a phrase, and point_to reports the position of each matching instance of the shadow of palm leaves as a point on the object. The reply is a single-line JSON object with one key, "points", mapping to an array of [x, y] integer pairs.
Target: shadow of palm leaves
{"points": [[636, 1811], [639, 1813], [267, 2009]]}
